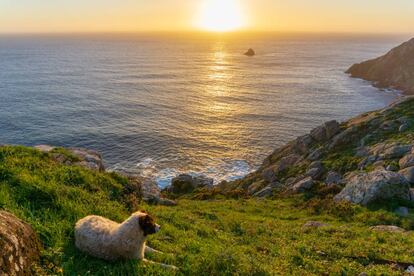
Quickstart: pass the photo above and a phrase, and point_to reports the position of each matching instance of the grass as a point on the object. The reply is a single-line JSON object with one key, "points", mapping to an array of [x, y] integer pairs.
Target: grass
{"points": [[211, 237]]}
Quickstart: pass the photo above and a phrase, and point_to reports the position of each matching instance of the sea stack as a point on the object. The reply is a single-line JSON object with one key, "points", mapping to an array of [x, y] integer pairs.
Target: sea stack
{"points": [[250, 53], [393, 70]]}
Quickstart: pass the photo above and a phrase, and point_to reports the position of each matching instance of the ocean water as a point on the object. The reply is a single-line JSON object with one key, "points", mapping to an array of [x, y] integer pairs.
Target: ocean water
{"points": [[159, 105]]}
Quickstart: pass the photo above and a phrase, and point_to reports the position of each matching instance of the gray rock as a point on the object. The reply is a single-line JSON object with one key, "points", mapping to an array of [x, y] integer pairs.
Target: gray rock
{"points": [[388, 228], [404, 127], [390, 150], [20, 247], [333, 178], [255, 187], [345, 137], [303, 144], [319, 134], [364, 188], [406, 161], [315, 170], [303, 185], [362, 152], [380, 164], [402, 211], [283, 164], [332, 128], [316, 154], [408, 174], [395, 151], [266, 192], [185, 183]]}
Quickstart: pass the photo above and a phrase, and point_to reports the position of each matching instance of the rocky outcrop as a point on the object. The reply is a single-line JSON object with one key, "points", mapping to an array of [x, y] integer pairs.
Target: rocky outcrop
{"points": [[19, 246], [365, 188], [77, 156], [186, 183], [393, 70]]}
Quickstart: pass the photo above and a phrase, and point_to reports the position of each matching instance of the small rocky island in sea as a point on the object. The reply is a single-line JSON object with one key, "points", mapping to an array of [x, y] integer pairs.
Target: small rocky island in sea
{"points": [[393, 70], [250, 53]]}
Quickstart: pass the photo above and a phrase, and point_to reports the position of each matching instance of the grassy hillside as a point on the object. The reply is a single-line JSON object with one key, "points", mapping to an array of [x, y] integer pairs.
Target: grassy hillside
{"points": [[214, 237]]}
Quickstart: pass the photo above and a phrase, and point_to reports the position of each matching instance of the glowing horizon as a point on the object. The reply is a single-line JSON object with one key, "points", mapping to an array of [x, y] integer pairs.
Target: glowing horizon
{"points": [[355, 16]]}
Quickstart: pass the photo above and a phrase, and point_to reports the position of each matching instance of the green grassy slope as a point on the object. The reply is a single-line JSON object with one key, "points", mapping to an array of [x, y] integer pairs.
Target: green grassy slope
{"points": [[215, 237]]}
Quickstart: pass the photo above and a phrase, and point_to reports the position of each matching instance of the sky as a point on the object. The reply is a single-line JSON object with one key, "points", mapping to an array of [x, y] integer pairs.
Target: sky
{"points": [[355, 16]]}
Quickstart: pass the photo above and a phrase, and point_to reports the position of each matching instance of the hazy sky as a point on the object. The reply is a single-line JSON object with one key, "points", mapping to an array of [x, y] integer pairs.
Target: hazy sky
{"points": [[376, 16]]}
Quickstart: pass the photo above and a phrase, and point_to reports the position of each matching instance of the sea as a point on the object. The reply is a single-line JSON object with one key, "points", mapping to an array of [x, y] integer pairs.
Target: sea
{"points": [[161, 104]]}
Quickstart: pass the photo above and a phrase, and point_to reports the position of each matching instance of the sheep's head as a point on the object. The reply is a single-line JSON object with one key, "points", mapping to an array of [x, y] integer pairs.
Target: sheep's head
{"points": [[147, 224]]}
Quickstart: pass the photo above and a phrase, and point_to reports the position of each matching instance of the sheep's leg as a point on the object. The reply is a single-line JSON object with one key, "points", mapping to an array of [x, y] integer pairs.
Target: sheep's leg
{"points": [[149, 250], [160, 264]]}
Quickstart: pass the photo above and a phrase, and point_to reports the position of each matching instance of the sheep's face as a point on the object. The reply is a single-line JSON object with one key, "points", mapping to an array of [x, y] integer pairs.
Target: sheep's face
{"points": [[148, 225]]}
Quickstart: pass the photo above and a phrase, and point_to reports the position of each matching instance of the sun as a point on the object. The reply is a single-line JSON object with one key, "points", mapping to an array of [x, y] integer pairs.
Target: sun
{"points": [[220, 15]]}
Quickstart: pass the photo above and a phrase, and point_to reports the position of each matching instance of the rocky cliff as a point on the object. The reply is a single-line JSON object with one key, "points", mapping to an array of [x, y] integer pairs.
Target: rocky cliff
{"points": [[393, 70], [365, 160]]}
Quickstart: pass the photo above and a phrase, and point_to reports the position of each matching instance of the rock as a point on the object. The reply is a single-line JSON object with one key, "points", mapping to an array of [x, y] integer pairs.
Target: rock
{"points": [[250, 52], [408, 174], [303, 185], [364, 188], [393, 70], [411, 194], [404, 127], [406, 161], [314, 224], [410, 270], [255, 187], [270, 174], [319, 134], [83, 157], [392, 168], [315, 170], [20, 247], [266, 192], [88, 158], [186, 183], [395, 151], [345, 137], [332, 128], [315, 155], [402, 211], [303, 144], [333, 178], [388, 228]]}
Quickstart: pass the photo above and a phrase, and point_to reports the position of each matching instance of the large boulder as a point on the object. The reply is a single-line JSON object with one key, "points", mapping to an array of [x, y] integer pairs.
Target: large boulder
{"points": [[19, 246], [303, 185], [186, 183], [364, 188], [303, 144]]}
